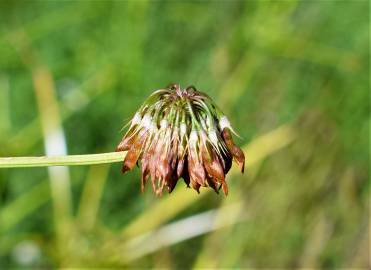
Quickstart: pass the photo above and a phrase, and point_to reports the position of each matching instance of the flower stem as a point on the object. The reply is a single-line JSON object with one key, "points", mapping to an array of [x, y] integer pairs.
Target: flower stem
{"points": [[71, 160]]}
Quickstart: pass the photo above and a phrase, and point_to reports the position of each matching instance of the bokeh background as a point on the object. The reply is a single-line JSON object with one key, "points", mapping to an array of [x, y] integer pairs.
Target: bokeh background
{"points": [[293, 77]]}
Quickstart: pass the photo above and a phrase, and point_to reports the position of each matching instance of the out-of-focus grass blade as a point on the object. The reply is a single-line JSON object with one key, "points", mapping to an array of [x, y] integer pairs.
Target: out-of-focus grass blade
{"points": [[362, 254], [321, 231], [307, 50], [5, 123], [91, 195], [162, 211], [91, 88], [55, 144], [49, 22], [181, 230], [26, 203], [235, 85]]}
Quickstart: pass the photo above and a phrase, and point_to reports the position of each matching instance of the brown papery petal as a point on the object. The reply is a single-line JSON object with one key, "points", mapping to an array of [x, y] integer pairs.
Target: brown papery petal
{"points": [[196, 170], [180, 167], [236, 152], [126, 141], [213, 184], [173, 178], [166, 171], [134, 153], [212, 164], [154, 160], [225, 188], [145, 170], [196, 186]]}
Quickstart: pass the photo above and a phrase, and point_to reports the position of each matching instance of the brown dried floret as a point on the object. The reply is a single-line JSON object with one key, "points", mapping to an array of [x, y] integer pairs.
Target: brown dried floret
{"points": [[180, 133]]}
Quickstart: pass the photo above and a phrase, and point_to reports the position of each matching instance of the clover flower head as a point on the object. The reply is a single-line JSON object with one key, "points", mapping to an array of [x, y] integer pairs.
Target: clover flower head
{"points": [[180, 133]]}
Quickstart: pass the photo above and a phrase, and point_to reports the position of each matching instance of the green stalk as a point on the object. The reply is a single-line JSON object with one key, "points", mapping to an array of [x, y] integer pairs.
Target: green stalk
{"points": [[71, 160]]}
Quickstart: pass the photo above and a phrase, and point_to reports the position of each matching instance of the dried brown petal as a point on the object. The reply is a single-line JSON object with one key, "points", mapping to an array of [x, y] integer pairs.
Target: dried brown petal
{"points": [[212, 184], [145, 170], [196, 186], [225, 188], [214, 168], [155, 159], [196, 170], [134, 153], [126, 141], [236, 152], [180, 168]]}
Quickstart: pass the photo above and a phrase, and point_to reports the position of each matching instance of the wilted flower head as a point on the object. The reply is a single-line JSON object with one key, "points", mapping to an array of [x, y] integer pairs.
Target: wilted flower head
{"points": [[180, 133]]}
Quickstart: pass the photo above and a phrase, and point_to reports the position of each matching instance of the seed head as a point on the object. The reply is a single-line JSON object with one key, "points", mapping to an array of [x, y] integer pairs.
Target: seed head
{"points": [[181, 133]]}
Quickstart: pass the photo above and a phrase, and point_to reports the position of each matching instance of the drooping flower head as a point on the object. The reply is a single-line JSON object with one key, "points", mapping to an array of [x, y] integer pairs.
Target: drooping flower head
{"points": [[181, 133]]}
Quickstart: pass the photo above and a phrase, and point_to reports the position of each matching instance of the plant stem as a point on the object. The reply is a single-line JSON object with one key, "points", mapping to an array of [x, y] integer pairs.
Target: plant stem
{"points": [[71, 160]]}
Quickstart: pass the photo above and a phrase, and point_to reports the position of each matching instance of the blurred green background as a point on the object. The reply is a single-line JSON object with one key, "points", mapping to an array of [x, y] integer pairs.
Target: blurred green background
{"points": [[292, 76]]}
